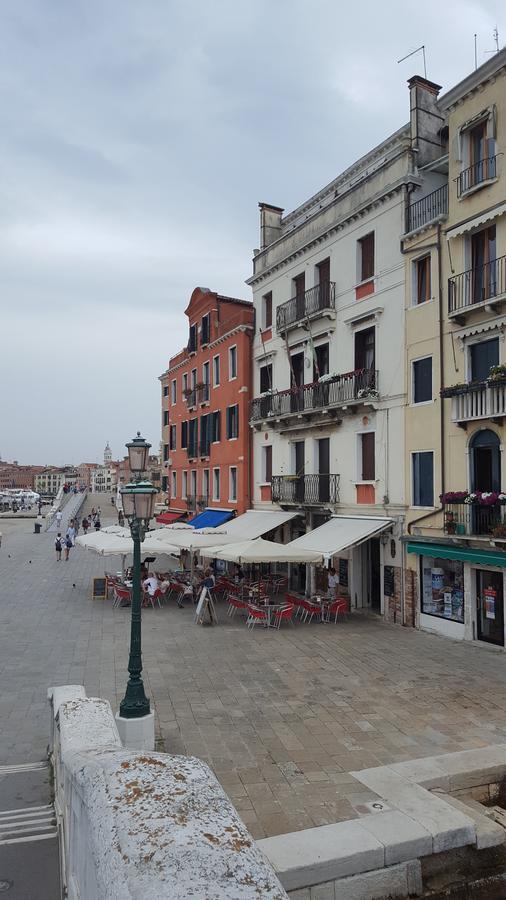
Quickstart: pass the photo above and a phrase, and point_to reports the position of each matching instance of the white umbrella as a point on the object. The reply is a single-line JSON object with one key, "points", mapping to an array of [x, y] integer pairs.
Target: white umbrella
{"points": [[258, 551]]}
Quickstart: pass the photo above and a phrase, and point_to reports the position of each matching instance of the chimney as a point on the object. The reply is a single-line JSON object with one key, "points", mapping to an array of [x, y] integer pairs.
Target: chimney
{"points": [[270, 223], [426, 120]]}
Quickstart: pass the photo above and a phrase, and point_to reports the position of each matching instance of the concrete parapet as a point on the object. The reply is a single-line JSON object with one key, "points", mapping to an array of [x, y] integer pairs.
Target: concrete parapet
{"points": [[137, 824]]}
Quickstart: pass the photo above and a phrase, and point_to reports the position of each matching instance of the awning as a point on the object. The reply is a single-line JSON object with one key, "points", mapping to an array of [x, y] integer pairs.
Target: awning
{"points": [[167, 518], [256, 522], [341, 532], [466, 554], [475, 222], [211, 518], [258, 551]]}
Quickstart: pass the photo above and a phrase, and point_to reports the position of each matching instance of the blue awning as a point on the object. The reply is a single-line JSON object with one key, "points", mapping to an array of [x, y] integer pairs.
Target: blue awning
{"points": [[211, 518]]}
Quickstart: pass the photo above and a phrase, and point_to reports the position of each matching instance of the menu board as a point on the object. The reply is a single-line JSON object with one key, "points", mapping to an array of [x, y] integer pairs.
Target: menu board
{"points": [[388, 581], [99, 589], [343, 572]]}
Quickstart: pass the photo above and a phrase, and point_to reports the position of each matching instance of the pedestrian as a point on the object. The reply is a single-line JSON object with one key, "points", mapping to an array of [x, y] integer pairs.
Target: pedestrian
{"points": [[112, 501], [333, 583], [86, 525], [121, 518], [76, 525], [59, 516], [68, 547], [71, 533], [99, 512], [58, 546], [92, 512], [97, 524]]}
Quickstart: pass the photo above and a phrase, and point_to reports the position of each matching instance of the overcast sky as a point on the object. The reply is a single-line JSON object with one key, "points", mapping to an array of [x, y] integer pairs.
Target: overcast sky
{"points": [[136, 141]]}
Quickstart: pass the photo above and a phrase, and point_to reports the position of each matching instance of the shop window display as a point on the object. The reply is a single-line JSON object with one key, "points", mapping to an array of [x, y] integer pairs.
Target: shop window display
{"points": [[443, 588]]}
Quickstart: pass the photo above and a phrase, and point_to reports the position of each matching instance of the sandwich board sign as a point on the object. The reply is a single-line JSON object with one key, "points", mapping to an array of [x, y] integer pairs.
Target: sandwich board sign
{"points": [[205, 605]]}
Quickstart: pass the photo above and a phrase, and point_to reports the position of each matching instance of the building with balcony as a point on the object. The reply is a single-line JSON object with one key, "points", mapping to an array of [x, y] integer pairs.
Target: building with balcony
{"points": [[206, 393], [456, 362], [329, 379]]}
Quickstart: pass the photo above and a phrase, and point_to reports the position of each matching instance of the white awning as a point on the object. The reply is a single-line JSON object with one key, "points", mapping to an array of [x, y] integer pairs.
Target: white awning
{"points": [[341, 532], [470, 224], [255, 522]]}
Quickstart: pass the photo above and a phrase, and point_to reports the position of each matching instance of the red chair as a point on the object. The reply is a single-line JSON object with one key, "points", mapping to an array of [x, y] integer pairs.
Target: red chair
{"points": [[337, 607], [284, 614], [256, 615], [310, 609], [120, 594], [234, 603], [297, 602]]}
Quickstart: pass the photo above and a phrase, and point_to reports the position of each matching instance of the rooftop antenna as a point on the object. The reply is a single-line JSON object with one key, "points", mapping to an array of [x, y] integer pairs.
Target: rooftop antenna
{"points": [[495, 35], [475, 54], [422, 48]]}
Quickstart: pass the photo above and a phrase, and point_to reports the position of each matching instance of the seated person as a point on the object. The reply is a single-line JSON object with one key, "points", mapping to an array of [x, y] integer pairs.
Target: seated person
{"points": [[151, 585], [208, 580], [238, 574]]}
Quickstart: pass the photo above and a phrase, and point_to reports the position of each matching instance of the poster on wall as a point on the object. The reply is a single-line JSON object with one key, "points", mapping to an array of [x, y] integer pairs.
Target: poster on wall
{"points": [[343, 572], [447, 604], [489, 598]]}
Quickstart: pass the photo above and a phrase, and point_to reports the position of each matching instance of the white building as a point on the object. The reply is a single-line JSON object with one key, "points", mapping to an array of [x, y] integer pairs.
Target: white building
{"points": [[328, 356], [104, 478]]}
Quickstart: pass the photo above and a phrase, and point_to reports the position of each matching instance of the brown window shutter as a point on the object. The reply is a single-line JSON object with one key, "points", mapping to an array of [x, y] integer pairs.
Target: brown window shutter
{"points": [[367, 245], [368, 461]]}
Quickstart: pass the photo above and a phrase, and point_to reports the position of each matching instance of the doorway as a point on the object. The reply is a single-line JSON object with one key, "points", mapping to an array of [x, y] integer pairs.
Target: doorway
{"points": [[489, 607], [324, 470], [297, 382], [371, 572], [485, 461], [299, 467]]}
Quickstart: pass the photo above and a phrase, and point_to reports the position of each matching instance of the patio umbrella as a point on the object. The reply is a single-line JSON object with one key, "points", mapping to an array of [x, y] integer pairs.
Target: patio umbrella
{"points": [[258, 550]]}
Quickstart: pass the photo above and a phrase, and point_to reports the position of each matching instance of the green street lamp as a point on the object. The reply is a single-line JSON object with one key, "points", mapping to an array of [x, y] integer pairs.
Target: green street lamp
{"points": [[138, 499]]}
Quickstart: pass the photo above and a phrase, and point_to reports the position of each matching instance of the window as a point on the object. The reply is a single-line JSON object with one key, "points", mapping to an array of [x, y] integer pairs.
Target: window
{"points": [[216, 484], [205, 484], [421, 280], [421, 380], [365, 349], [216, 371], [205, 329], [205, 435], [232, 363], [204, 394], [232, 422], [184, 435], [267, 310], [484, 269], [480, 155], [320, 361], [174, 484], [233, 484], [265, 378], [174, 391], [165, 417], [215, 427], [193, 378], [165, 452], [185, 485], [193, 483], [482, 356], [166, 390], [443, 588], [173, 439], [193, 438], [185, 383], [367, 456], [423, 478], [192, 343], [366, 257], [267, 464]]}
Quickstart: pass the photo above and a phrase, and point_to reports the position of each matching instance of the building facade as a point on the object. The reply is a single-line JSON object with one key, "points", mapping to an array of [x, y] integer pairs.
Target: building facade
{"points": [[205, 405], [458, 530], [329, 383]]}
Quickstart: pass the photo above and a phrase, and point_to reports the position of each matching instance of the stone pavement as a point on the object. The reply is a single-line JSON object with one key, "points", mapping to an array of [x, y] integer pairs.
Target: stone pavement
{"points": [[282, 717]]}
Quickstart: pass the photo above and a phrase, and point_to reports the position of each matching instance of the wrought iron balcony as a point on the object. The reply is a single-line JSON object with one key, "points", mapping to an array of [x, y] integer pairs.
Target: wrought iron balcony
{"points": [[475, 518], [478, 285], [429, 208], [305, 490], [358, 386], [317, 299], [203, 501], [480, 171], [191, 502]]}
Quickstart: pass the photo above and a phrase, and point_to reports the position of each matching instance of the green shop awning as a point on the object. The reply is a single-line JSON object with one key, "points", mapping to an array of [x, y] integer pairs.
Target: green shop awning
{"points": [[448, 551]]}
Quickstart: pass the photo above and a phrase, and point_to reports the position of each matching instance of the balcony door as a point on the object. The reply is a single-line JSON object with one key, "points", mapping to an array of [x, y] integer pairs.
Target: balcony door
{"points": [[296, 381], [490, 607], [299, 284], [323, 284], [483, 356], [324, 470], [299, 456], [485, 461], [483, 257], [365, 349]]}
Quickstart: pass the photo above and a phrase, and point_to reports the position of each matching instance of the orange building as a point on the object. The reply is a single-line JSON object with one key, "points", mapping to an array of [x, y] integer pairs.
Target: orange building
{"points": [[205, 409]]}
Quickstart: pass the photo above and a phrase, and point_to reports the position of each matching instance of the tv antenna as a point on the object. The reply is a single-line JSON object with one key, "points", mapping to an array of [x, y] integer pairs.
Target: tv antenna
{"points": [[418, 49], [495, 35]]}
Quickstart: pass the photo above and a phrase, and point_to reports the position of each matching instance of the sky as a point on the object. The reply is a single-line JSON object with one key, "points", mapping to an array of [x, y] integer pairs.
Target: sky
{"points": [[137, 139]]}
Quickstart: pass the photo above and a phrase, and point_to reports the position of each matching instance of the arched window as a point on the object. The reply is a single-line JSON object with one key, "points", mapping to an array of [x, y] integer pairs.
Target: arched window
{"points": [[485, 461]]}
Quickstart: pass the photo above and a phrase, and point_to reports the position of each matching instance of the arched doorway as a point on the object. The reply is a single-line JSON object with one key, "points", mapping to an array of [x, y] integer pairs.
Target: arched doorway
{"points": [[485, 449]]}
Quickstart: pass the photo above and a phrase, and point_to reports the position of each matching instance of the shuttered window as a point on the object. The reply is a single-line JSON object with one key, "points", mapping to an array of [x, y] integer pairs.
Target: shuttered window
{"points": [[368, 456], [423, 479], [366, 251], [232, 422], [184, 435]]}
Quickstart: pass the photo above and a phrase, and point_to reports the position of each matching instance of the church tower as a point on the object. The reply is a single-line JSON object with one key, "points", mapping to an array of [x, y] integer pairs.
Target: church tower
{"points": [[107, 455]]}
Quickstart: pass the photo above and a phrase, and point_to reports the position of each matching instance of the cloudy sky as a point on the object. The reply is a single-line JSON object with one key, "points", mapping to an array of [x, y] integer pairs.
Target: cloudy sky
{"points": [[136, 141]]}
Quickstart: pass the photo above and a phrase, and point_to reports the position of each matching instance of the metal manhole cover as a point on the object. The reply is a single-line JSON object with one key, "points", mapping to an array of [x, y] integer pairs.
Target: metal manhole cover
{"points": [[5, 885]]}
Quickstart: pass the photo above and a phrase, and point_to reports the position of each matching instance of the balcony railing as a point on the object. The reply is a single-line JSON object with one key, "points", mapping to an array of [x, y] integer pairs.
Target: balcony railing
{"points": [[305, 490], [428, 208], [198, 394], [316, 299], [486, 400], [474, 518], [203, 501], [480, 171], [351, 387], [191, 502], [477, 285]]}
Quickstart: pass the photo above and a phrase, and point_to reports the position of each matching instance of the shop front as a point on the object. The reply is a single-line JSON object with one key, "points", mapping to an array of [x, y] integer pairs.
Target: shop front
{"points": [[461, 591]]}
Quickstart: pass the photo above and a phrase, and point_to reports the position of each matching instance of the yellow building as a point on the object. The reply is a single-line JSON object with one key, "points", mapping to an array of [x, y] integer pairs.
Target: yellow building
{"points": [[455, 250]]}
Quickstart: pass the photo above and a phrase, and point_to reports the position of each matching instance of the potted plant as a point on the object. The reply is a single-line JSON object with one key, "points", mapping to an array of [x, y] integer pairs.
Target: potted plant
{"points": [[453, 497], [454, 390], [499, 531], [497, 375], [450, 523]]}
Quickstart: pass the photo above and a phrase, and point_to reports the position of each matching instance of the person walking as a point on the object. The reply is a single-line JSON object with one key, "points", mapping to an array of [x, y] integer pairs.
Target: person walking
{"points": [[85, 525], [97, 523], [333, 583], [58, 546], [71, 533], [68, 547], [59, 516]]}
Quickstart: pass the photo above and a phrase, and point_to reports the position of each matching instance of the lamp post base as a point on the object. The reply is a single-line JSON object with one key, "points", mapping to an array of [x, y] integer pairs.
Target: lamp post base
{"points": [[137, 734]]}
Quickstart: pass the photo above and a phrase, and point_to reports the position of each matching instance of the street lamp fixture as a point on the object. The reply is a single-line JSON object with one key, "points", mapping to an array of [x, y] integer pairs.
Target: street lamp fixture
{"points": [[138, 500]]}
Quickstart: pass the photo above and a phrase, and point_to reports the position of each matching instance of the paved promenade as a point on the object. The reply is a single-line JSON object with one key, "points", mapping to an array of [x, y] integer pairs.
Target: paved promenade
{"points": [[282, 717]]}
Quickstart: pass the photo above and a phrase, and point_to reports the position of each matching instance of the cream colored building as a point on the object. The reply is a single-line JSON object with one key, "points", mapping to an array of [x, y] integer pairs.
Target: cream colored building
{"points": [[454, 440]]}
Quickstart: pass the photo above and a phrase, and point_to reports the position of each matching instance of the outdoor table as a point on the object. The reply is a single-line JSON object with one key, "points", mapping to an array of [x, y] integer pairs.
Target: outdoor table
{"points": [[323, 603], [270, 608]]}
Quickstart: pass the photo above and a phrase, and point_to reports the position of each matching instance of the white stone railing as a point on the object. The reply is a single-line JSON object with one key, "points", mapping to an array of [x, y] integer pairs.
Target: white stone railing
{"points": [[481, 402], [137, 824]]}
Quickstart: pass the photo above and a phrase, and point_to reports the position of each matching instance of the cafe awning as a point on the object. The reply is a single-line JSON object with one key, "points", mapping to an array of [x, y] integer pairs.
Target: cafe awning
{"points": [[452, 551], [258, 551], [341, 532], [211, 518], [168, 517], [256, 522]]}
